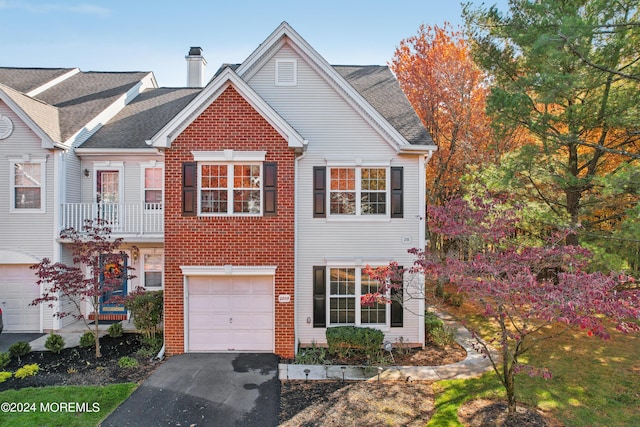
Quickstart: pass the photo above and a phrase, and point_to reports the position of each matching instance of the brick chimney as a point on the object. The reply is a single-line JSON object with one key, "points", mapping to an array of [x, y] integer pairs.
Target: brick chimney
{"points": [[196, 65]]}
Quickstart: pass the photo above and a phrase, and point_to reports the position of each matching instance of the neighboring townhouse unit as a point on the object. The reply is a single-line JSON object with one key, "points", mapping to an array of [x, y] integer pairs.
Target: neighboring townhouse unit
{"points": [[45, 114], [254, 202]]}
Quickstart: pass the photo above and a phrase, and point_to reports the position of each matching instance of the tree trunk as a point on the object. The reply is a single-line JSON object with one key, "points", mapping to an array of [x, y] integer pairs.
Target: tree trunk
{"points": [[96, 334], [509, 384]]}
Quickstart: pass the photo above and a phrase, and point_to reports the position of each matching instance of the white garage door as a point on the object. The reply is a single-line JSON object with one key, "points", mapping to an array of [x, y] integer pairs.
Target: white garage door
{"points": [[17, 290], [230, 313]]}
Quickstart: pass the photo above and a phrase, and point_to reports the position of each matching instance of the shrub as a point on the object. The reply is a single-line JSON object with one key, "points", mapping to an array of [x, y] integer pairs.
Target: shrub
{"points": [[150, 346], [87, 339], [347, 340], [5, 358], [115, 330], [313, 355], [127, 362], [27, 371], [5, 376], [432, 322], [146, 309], [19, 349], [54, 343], [442, 337]]}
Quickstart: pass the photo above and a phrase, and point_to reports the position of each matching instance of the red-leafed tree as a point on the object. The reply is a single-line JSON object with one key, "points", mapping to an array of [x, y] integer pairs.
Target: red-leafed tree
{"points": [[97, 273], [524, 289]]}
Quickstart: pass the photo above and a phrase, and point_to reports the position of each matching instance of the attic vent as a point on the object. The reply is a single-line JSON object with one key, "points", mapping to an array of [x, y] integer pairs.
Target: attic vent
{"points": [[286, 72]]}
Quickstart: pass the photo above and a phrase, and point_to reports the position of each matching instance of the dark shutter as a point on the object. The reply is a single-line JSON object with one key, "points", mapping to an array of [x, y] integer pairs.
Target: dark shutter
{"points": [[319, 191], [189, 187], [397, 198], [319, 297], [397, 306], [270, 175]]}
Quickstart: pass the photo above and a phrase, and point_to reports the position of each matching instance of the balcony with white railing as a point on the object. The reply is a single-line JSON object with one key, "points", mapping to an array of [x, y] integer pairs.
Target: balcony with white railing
{"points": [[141, 219]]}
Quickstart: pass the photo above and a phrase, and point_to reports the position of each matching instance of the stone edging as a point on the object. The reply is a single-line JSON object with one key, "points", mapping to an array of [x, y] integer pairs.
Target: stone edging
{"points": [[474, 365]]}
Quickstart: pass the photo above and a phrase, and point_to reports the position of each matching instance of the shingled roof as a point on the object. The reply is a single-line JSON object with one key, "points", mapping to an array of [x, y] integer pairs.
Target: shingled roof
{"points": [[27, 79], [380, 88], [77, 99], [45, 116], [142, 118]]}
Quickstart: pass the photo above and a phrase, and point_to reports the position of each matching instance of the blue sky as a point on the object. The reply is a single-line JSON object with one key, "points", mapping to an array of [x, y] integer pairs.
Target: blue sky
{"points": [[135, 35]]}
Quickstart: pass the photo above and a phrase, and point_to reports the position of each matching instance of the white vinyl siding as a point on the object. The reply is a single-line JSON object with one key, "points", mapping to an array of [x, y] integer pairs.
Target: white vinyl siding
{"points": [[337, 134], [31, 233]]}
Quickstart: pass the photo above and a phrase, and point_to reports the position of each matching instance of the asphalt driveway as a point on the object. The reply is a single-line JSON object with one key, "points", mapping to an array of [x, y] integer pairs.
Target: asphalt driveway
{"points": [[8, 338], [230, 389]]}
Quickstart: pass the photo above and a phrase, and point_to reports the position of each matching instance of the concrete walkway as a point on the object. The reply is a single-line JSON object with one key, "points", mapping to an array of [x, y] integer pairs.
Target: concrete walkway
{"points": [[472, 366], [72, 333]]}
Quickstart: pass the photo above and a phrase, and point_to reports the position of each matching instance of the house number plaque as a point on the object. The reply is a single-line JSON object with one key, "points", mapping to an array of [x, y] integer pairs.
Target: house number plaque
{"points": [[284, 298]]}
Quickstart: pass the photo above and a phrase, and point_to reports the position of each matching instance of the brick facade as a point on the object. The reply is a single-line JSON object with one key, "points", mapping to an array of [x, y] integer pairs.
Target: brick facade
{"points": [[229, 123]]}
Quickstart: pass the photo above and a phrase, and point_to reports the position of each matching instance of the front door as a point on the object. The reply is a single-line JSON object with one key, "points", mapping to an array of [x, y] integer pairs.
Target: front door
{"points": [[108, 195], [113, 280]]}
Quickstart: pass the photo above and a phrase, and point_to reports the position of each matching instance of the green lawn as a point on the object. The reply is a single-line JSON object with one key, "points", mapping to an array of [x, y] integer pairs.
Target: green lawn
{"points": [[67, 406], [595, 382]]}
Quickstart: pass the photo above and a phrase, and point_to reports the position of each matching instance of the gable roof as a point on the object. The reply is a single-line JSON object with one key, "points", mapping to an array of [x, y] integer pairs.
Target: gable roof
{"points": [[372, 84], [42, 116], [141, 119], [65, 108], [28, 79], [209, 94]]}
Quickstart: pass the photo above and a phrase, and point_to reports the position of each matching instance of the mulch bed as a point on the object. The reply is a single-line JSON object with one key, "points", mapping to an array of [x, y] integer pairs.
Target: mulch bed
{"points": [[362, 403], [491, 413], [79, 366]]}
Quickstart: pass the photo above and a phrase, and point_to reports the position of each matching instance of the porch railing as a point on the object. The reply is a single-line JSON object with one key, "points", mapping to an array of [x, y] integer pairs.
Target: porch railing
{"points": [[141, 218]]}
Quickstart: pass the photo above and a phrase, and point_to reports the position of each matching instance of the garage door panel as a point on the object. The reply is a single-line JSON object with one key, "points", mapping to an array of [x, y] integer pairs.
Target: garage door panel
{"points": [[209, 340], [231, 314], [17, 290], [253, 321], [254, 341]]}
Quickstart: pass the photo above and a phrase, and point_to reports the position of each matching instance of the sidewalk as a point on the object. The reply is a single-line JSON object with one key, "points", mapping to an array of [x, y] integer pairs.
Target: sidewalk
{"points": [[472, 366]]}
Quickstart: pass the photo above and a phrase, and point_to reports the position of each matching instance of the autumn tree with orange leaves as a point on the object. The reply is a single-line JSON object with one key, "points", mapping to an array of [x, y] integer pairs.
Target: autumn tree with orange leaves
{"points": [[449, 92]]}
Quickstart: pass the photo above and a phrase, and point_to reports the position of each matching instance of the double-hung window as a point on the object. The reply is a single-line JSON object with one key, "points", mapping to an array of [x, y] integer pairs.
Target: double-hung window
{"points": [[346, 286], [358, 191], [230, 188], [152, 186], [152, 265], [27, 185]]}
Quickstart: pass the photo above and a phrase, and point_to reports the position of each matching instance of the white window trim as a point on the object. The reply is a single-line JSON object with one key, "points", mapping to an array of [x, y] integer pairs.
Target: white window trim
{"points": [[150, 165], [12, 180], [107, 166], [151, 251], [229, 156], [358, 191], [358, 288], [230, 188], [294, 82]]}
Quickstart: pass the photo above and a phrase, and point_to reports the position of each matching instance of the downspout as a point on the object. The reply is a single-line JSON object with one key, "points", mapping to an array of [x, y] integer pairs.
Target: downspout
{"points": [[424, 160], [295, 244]]}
